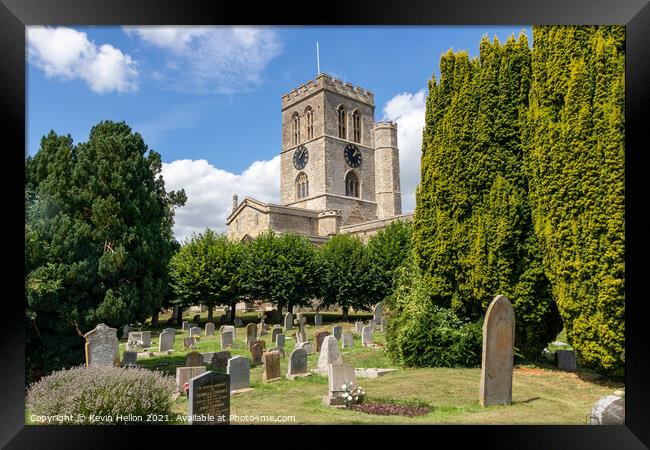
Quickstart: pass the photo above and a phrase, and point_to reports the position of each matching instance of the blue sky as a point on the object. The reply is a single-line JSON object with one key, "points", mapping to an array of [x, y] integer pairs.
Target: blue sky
{"points": [[208, 99]]}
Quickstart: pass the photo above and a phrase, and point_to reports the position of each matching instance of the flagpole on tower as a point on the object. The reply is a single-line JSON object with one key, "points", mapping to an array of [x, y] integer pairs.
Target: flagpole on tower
{"points": [[317, 58]]}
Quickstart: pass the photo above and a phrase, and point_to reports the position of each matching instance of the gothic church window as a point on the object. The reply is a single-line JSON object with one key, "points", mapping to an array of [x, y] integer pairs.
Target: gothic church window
{"points": [[309, 119], [356, 126], [342, 120], [302, 186], [295, 119], [351, 185]]}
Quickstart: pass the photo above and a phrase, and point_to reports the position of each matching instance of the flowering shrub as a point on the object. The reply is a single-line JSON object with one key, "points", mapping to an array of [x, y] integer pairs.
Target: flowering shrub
{"points": [[82, 392], [352, 394]]}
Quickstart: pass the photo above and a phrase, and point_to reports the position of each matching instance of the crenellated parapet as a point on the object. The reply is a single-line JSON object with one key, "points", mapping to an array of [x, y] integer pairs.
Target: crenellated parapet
{"points": [[327, 82]]}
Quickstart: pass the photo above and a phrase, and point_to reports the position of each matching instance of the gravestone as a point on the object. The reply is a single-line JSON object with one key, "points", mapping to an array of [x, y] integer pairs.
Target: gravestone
{"points": [[125, 330], [348, 339], [186, 325], [566, 360], [275, 332], [256, 352], [609, 410], [366, 336], [336, 331], [102, 346], [288, 321], [230, 328], [297, 364], [196, 319], [329, 354], [239, 369], [251, 333], [183, 375], [195, 332], [226, 340], [319, 338], [271, 370], [209, 399], [377, 313], [318, 320], [166, 339], [191, 325], [238, 322], [129, 359], [279, 340], [193, 359], [358, 326], [338, 375], [306, 345], [209, 329], [301, 336], [497, 358], [218, 360], [146, 339], [262, 343], [134, 342], [189, 342]]}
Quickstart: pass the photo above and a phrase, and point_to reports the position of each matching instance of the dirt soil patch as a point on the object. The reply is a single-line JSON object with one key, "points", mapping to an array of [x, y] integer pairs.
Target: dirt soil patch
{"points": [[387, 409]]}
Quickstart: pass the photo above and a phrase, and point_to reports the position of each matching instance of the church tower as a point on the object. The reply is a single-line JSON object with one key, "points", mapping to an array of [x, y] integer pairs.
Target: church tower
{"points": [[328, 149], [387, 185]]}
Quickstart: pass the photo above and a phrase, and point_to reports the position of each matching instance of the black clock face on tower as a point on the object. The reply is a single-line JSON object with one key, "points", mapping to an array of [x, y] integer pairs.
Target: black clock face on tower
{"points": [[300, 157], [352, 155]]}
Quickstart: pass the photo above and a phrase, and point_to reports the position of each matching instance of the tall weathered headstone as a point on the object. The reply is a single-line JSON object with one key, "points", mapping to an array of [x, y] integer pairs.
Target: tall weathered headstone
{"points": [[329, 354], [497, 359], [319, 338], [318, 320], [358, 326], [377, 312], [288, 321], [146, 339], [338, 375], [348, 339], [271, 371], [166, 339], [251, 333], [336, 331], [297, 364], [209, 399], [256, 352], [102, 346], [183, 375], [366, 336], [193, 359], [239, 369], [209, 329], [226, 340], [195, 332]]}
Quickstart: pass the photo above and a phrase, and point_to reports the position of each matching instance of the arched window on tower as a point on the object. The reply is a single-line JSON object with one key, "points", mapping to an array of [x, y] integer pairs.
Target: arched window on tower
{"points": [[295, 120], [302, 186], [351, 184], [356, 126], [309, 119], [342, 121]]}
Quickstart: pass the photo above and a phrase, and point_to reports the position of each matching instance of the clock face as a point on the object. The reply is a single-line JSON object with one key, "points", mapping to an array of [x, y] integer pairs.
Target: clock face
{"points": [[300, 157], [352, 155]]}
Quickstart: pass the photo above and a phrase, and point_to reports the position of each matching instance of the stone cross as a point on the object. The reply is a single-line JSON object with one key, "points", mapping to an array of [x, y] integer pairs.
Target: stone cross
{"points": [[497, 358], [240, 373], [271, 361], [329, 354], [102, 346]]}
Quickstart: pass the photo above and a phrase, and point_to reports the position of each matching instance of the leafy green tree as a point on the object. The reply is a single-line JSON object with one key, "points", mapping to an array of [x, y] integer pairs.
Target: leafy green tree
{"points": [[98, 235], [280, 268], [575, 162], [206, 271], [473, 235], [386, 251], [346, 279]]}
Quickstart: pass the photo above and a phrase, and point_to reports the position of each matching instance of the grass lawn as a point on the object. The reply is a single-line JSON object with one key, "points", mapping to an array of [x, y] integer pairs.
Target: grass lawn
{"points": [[541, 395]]}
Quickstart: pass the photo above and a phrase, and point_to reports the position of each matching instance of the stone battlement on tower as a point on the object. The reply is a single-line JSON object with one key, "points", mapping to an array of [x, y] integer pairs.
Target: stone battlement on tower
{"points": [[327, 82]]}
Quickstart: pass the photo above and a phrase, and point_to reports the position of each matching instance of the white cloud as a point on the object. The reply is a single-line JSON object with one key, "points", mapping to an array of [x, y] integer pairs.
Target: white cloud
{"points": [[408, 111], [213, 59], [64, 53], [209, 191]]}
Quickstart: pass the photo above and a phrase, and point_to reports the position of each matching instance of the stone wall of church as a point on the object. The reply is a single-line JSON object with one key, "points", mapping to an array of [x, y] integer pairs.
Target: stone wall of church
{"points": [[365, 230], [248, 222], [289, 223]]}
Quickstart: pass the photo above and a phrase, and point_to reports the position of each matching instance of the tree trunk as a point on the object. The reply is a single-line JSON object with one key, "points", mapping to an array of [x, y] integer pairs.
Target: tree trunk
{"points": [[154, 319], [233, 311], [210, 310], [290, 308], [180, 316], [345, 313]]}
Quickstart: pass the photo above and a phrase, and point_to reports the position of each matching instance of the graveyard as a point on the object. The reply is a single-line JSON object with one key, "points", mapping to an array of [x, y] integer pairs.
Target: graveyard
{"points": [[541, 394]]}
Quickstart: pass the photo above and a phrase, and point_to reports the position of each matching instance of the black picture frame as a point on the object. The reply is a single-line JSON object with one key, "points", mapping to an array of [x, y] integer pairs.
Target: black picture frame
{"points": [[635, 14]]}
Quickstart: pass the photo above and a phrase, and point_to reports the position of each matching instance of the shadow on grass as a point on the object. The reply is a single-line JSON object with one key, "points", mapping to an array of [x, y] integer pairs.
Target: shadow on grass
{"points": [[532, 399]]}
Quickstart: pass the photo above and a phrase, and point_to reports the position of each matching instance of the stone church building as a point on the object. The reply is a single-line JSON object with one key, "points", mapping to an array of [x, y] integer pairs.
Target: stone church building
{"points": [[339, 169]]}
